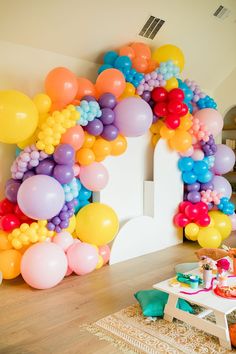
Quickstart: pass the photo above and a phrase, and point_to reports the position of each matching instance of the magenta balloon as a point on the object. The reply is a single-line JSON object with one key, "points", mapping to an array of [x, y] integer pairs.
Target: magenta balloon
{"points": [[221, 185], [94, 176], [43, 265], [133, 116], [224, 159], [40, 197], [211, 118]]}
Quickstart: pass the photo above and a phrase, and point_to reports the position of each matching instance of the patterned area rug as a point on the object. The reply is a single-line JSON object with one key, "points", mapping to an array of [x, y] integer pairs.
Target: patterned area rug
{"points": [[132, 333]]}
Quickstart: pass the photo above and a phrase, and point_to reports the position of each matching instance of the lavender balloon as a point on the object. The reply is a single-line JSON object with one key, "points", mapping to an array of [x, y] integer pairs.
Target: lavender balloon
{"points": [[45, 167], [95, 127], [11, 190], [221, 185], [63, 173], [193, 187], [194, 197], [107, 100], [224, 159], [206, 186], [110, 132], [64, 154], [146, 96]]}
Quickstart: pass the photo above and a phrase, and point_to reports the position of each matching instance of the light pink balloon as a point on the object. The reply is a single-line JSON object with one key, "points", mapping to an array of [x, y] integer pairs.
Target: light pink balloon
{"points": [[76, 169], [82, 258], [197, 155], [69, 271], [187, 153], [233, 221], [44, 265], [105, 252], [64, 240], [94, 176], [212, 119], [40, 197]]}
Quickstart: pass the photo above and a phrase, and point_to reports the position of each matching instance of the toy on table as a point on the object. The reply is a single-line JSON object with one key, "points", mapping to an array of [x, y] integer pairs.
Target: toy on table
{"points": [[186, 280]]}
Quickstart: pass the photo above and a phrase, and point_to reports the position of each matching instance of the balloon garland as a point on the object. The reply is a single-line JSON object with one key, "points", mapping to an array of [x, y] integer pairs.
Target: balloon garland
{"points": [[48, 226]]}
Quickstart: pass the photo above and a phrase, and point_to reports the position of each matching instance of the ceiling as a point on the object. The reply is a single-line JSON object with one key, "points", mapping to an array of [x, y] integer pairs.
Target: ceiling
{"points": [[86, 29]]}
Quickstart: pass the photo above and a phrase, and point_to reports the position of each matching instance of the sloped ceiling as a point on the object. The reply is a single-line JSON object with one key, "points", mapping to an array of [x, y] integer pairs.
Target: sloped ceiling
{"points": [[86, 29]]}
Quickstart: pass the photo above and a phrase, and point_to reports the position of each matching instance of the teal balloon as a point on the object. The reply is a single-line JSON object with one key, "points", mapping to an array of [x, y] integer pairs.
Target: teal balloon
{"points": [[84, 194], [189, 177], [185, 164], [18, 151], [110, 58], [205, 177], [123, 62], [104, 67], [200, 167]]}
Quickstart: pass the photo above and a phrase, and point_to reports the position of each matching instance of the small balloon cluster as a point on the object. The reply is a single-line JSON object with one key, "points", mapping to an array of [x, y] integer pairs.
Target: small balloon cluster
{"points": [[226, 206]]}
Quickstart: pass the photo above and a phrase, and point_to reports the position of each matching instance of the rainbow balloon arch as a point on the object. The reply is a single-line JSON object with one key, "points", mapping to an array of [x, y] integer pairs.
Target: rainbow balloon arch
{"points": [[49, 227]]}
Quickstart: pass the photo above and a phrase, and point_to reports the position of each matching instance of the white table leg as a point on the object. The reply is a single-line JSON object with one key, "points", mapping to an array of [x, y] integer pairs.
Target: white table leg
{"points": [[171, 304], [221, 322]]}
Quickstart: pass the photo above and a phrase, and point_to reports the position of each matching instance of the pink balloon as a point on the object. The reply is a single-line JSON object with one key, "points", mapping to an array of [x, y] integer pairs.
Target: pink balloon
{"points": [[64, 240], [43, 265], [76, 169], [212, 119], [221, 185], [82, 258], [197, 155], [224, 159], [187, 153], [69, 271], [233, 221], [133, 116], [94, 176], [40, 197], [105, 252]]}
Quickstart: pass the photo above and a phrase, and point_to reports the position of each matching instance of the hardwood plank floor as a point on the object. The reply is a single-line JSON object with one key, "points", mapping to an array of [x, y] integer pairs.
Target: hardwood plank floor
{"points": [[47, 321]]}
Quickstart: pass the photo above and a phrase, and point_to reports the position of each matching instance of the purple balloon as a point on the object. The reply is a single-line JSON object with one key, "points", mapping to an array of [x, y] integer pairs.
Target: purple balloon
{"points": [[107, 116], [221, 185], [63, 173], [88, 98], [193, 187], [107, 100], [64, 154], [28, 174], [224, 159], [110, 132], [50, 226], [56, 220], [146, 96], [45, 167], [194, 197], [95, 127], [206, 186], [11, 190], [64, 224]]}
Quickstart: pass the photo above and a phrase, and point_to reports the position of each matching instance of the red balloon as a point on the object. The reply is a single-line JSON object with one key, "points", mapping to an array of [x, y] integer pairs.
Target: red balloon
{"points": [[202, 208], [175, 106], [9, 222], [160, 109], [204, 220], [172, 121], [159, 94], [183, 205], [21, 216], [192, 212], [181, 220], [176, 94], [6, 207], [184, 110]]}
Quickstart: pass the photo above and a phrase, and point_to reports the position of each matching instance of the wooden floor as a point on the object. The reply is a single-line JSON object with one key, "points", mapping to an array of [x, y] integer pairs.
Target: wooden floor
{"points": [[48, 321]]}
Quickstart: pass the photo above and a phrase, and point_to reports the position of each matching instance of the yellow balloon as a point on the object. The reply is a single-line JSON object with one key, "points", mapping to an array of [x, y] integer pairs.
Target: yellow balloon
{"points": [[185, 122], [209, 237], [72, 224], [129, 91], [171, 84], [18, 117], [222, 223], [192, 230], [42, 102], [155, 128], [167, 133], [30, 141], [5, 244], [10, 264], [97, 223], [155, 139], [169, 52], [181, 141], [100, 262]]}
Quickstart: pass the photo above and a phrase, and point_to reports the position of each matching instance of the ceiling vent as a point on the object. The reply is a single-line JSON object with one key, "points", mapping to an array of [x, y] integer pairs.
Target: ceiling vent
{"points": [[222, 12], [151, 27]]}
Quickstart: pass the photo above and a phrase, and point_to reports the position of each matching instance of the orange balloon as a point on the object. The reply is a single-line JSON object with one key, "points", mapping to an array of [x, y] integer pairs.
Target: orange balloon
{"points": [[185, 122], [128, 51], [4, 243], [152, 65], [166, 133], [110, 80], [74, 136], [118, 146], [10, 264], [181, 141], [61, 85], [155, 127], [141, 50], [101, 147], [140, 64], [100, 158], [155, 139], [85, 88], [85, 156], [58, 106], [89, 140]]}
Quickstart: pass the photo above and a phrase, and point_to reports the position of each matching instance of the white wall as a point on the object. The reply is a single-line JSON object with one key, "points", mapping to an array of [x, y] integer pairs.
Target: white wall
{"points": [[225, 93]]}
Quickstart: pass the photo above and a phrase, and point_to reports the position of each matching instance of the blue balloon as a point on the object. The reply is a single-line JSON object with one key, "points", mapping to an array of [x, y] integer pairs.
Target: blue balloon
{"points": [[189, 177], [185, 164], [84, 193], [123, 62], [18, 151], [205, 177], [200, 167], [104, 67], [110, 57]]}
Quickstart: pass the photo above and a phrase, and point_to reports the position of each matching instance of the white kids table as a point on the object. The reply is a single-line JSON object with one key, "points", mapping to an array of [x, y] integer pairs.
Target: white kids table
{"points": [[208, 300]]}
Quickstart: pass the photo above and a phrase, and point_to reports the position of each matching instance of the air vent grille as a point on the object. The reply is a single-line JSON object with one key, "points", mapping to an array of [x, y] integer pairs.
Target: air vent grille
{"points": [[221, 12], [151, 27]]}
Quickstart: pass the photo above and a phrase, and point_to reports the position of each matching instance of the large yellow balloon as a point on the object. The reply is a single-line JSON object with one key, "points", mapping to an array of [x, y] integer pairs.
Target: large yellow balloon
{"points": [[18, 117], [209, 237], [222, 223], [10, 264], [169, 52], [97, 223]]}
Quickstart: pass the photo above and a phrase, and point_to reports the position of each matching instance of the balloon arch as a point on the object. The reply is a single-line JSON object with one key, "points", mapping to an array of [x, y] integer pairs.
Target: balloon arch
{"points": [[49, 227]]}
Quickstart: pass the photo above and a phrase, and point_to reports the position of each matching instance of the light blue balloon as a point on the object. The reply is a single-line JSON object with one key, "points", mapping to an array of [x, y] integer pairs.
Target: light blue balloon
{"points": [[123, 62], [200, 167], [189, 177], [205, 177], [185, 164]]}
